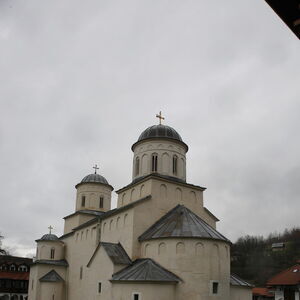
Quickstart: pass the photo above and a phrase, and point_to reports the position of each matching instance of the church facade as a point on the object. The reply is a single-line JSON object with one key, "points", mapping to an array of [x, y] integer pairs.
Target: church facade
{"points": [[159, 243]]}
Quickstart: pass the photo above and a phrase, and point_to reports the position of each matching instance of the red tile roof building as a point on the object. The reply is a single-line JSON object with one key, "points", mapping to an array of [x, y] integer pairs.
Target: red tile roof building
{"points": [[287, 283], [14, 276], [262, 293]]}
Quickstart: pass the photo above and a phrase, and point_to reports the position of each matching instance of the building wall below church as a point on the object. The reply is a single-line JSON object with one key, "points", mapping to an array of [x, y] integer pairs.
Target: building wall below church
{"points": [[197, 262], [149, 291], [41, 290], [240, 293]]}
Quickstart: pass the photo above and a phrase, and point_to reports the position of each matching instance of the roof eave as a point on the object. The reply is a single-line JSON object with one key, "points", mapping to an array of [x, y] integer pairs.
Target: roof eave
{"points": [[98, 183], [161, 138], [144, 281], [185, 237]]}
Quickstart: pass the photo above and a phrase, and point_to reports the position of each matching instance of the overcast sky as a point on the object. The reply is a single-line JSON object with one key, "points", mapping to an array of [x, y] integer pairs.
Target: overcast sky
{"points": [[80, 80]]}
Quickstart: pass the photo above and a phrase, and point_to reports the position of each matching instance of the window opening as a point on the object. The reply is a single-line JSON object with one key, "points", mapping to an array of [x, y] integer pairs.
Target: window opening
{"points": [[154, 162], [83, 201], [23, 268], [81, 273], [137, 166], [52, 252], [12, 268], [175, 164], [215, 287], [99, 287], [101, 202], [136, 296]]}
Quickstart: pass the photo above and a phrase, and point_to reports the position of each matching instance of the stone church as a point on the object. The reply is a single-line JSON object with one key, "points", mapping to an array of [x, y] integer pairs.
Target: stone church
{"points": [[160, 242]]}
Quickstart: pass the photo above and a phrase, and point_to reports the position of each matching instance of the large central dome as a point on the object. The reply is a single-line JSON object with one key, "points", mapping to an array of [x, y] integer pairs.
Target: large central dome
{"points": [[160, 132]]}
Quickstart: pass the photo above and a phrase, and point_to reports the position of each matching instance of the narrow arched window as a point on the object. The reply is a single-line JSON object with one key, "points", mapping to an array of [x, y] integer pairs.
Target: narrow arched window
{"points": [[101, 202], [175, 163], [83, 201], [137, 166], [154, 162], [52, 252]]}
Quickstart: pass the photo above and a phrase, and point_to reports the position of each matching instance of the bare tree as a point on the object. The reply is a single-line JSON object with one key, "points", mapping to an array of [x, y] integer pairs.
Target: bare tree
{"points": [[2, 251]]}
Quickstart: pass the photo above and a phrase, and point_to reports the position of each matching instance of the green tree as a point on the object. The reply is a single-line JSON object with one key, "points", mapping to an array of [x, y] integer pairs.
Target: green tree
{"points": [[254, 259]]}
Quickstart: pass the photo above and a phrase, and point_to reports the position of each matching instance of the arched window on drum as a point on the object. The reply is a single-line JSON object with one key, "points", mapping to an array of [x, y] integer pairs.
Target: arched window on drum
{"points": [[175, 164], [154, 162], [137, 166]]}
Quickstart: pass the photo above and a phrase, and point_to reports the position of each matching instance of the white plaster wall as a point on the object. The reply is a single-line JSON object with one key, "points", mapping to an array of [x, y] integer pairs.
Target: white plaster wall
{"points": [[134, 193], [79, 249], [149, 291], [279, 294], [76, 220], [197, 262], [92, 193], [44, 250], [42, 290], [165, 150], [165, 196], [119, 228], [240, 293]]}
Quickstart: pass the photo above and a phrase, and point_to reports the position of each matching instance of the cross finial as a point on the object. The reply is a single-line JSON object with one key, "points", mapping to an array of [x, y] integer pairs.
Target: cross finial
{"points": [[96, 168], [160, 117], [50, 228]]}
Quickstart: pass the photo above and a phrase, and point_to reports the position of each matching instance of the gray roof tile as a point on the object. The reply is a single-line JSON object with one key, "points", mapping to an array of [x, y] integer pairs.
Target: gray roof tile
{"points": [[61, 262], [235, 280], [116, 253], [181, 222], [51, 276], [145, 270]]}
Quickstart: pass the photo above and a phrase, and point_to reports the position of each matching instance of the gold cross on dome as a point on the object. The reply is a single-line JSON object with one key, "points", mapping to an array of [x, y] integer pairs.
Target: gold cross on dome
{"points": [[160, 117], [96, 168], [50, 228]]}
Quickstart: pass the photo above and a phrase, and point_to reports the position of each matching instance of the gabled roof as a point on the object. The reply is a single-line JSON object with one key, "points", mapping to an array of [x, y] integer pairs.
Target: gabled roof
{"points": [[51, 276], [115, 252], [111, 212], [160, 177], [62, 262], [85, 212], [181, 222], [237, 281], [290, 276], [145, 270]]}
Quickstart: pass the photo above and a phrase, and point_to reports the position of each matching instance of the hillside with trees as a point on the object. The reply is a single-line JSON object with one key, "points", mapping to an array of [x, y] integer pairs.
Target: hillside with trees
{"points": [[256, 259]]}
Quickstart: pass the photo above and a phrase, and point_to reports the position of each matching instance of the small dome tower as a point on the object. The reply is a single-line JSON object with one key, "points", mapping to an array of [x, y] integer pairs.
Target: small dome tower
{"points": [[93, 193], [49, 247], [159, 149]]}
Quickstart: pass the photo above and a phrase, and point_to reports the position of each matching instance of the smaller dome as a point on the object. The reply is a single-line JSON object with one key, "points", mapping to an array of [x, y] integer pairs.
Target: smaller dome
{"points": [[94, 178], [160, 132], [49, 237]]}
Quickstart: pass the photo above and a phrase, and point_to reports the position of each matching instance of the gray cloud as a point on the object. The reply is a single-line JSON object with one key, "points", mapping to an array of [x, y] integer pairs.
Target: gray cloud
{"points": [[80, 81]]}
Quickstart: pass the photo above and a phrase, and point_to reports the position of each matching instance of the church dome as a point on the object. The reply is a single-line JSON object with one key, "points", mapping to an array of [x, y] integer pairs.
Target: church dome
{"points": [[160, 131], [49, 237], [94, 178]]}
